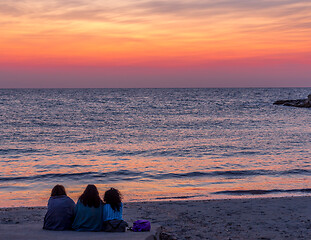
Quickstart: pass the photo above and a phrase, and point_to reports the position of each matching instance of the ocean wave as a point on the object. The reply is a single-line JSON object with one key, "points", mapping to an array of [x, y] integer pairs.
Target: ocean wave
{"points": [[233, 173], [190, 151], [127, 175], [193, 151], [14, 151], [180, 197], [261, 192], [86, 175], [45, 176]]}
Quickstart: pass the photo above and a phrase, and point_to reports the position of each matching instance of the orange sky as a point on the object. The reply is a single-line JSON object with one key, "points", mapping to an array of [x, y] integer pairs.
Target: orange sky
{"points": [[173, 35]]}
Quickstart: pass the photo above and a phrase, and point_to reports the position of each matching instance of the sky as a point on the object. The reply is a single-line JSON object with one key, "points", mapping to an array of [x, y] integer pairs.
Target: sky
{"points": [[146, 43]]}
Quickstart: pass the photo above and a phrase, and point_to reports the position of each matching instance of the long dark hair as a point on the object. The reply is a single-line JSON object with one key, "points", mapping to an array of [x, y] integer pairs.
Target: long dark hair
{"points": [[90, 197], [58, 190], [113, 197]]}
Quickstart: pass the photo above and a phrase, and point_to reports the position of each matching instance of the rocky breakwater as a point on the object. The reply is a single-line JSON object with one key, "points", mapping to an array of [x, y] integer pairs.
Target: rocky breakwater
{"points": [[304, 103]]}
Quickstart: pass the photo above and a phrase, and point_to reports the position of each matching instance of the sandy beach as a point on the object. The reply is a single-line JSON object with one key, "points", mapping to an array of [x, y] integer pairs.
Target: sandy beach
{"points": [[261, 218]]}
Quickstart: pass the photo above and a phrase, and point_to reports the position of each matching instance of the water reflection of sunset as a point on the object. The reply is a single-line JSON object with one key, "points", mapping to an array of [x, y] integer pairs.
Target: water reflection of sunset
{"points": [[138, 178], [152, 144]]}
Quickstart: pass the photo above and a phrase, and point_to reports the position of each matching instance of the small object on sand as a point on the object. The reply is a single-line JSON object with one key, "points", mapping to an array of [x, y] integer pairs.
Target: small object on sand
{"points": [[303, 103]]}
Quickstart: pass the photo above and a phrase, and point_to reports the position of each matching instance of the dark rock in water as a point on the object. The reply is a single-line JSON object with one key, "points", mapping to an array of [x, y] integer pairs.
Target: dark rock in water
{"points": [[306, 103]]}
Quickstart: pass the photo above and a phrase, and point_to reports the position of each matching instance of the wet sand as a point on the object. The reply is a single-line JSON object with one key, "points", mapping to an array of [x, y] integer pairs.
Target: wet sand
{"points": [[261, 218]]}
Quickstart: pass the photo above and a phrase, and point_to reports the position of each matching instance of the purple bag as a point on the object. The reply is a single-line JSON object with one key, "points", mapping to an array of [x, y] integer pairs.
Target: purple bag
{"points": [[141, 226]]}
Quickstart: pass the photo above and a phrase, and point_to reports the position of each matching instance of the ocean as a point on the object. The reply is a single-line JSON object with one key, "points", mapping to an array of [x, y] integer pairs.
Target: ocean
{"points": [[153, 144]]}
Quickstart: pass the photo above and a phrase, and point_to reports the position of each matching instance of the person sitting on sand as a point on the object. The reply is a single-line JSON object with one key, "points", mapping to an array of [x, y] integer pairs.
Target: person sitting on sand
{"points": [[60, 211], [88, 211], [112, 209], [113, 206]]}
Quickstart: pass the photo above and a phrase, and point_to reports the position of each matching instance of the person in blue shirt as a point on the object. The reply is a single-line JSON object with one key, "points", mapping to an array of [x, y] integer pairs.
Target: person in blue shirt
{"points": [[113, 207], [60, 211], [89, 211]]}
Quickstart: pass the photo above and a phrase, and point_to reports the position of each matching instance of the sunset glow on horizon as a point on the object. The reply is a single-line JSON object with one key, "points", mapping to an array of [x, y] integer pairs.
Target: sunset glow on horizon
{"points": [[141, 43]]}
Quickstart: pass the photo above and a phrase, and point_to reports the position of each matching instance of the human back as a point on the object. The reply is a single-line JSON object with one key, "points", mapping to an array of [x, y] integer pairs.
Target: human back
{"points": [[88, 211], [60, 211], [113, 206]]}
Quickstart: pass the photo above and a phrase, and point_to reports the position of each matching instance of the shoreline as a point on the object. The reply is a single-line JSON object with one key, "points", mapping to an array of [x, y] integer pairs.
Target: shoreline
{"points": [[251, 218], [177, 200], [240, 195]]}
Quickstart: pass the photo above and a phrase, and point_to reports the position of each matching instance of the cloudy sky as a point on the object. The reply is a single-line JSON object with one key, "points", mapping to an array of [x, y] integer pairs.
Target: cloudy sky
{"points": [[145, 43]]}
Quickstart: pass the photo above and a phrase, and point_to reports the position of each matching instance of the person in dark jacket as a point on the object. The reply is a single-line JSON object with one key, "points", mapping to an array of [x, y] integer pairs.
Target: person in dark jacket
{"points": [[60, 212], [89, 211]]}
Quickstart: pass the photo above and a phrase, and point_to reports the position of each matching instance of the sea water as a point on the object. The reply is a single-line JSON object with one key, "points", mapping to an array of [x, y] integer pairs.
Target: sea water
{"points": [[153, 144]]}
